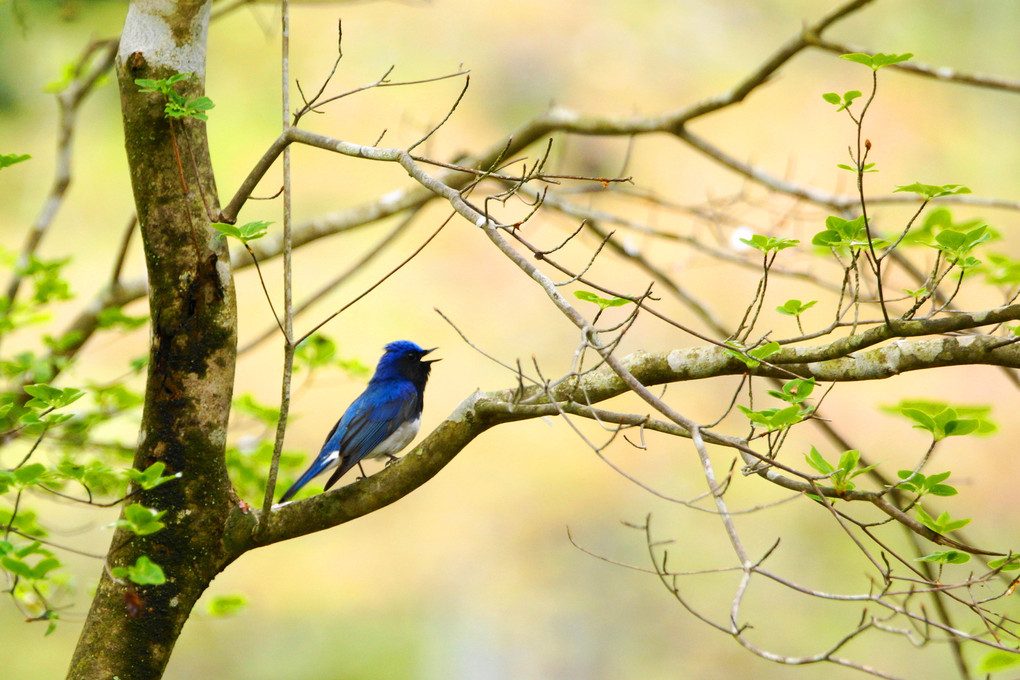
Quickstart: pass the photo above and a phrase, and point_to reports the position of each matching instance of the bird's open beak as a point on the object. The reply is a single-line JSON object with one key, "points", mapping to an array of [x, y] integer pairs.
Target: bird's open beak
{"points": [[430, 361]]}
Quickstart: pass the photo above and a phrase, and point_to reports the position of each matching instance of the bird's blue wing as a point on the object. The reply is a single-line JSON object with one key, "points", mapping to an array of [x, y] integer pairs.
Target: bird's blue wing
{"points": [[373, 417]]}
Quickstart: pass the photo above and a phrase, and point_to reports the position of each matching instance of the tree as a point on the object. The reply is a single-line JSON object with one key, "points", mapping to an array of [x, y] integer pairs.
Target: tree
{"points": [[190, 509]]}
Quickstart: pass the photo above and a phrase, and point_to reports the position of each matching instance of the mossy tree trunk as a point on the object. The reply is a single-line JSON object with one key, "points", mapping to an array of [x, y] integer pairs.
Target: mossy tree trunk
{"points": [[131, 630]]}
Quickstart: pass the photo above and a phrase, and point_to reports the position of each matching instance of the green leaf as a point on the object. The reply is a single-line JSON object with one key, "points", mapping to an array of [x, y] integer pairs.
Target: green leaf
{"points": [[176, 104], [795, 390], [201, 104], [880, 60], [957, 245], [14, 560], [946, 557], [231, 230], [848, 460], [316, 351], [768, 244], [877, 61], [152, 476], [226, 605], [603, 303], [95, 475], [1002, 270], [794, 307], [765, 351], [816, 461], [998, 660], [140, 520], [775, 418], [843, 102], [246, 404], [944, 524], [250, 231], [114, 317], [9, 159], [28, 475], [16, 566], [144, 572], [44, 566], [930, 191], [948, 524], [843, 233], [859, 58], [926, 519], [1007, 563], [943, 421], [751, 358], [45, 396]]}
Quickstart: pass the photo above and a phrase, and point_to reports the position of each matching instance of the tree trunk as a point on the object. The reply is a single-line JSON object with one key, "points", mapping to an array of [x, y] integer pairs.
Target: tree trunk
{"points": [[131, 630]]}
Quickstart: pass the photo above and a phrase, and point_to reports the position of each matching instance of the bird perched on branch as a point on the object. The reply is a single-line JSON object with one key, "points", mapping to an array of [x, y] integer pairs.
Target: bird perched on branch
{"points": [[382, 421]]}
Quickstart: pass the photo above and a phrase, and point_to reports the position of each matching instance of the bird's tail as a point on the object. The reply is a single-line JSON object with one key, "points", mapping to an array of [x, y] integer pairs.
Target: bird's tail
{"points": [[297, 486]]}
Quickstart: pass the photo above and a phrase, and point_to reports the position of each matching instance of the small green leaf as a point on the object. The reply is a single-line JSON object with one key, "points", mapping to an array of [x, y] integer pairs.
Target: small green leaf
{"points": [[44, 567], [603, 303], [816, 461], [859, 58], [951, 525], [16, 566], [1007, 563], [765, 351], [7, 160], [848, 460], [751, 358], [832, 98], [254, 230], [144, 572], [227, 605], [46, 396], [998, 660], [28, 475], [926, 519], [775, 418], [768, 244], [231, 230], [794, 307], [140, 520], [247, 404], [201, 104], [946, 557], [878, 60], [114, 317], [152, 476], [944, 524], [930, 191], [795, 390]]}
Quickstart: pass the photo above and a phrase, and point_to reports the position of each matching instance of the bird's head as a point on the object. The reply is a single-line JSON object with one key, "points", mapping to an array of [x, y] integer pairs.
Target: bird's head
{"points": [[405, 358]]}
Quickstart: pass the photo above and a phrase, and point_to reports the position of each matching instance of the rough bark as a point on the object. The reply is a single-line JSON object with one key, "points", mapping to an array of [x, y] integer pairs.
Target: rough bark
{"points": [[131, 630]]}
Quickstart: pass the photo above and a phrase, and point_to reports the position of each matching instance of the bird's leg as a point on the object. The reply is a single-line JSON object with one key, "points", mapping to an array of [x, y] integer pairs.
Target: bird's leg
{"points": [[363, 475], [392, 459]]}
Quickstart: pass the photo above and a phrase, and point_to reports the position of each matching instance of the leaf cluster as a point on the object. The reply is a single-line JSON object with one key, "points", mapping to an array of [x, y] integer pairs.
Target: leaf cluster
{"points": [[177, 105]]}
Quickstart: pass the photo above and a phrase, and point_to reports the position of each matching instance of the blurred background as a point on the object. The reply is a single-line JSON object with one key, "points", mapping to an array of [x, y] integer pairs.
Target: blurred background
{"points": [[473, 575]]}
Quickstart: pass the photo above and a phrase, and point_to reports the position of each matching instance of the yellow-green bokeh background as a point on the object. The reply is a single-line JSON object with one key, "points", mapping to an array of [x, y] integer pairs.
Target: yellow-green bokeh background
{"points": [[473, 575]]}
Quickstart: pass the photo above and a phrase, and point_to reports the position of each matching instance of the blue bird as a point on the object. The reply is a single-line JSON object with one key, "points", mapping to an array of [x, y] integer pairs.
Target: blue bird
{"points": [[382, 421]]}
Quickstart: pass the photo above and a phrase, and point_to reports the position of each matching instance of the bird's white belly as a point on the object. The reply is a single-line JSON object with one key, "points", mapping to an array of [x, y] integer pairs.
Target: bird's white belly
{"points": [[400, 438]]}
